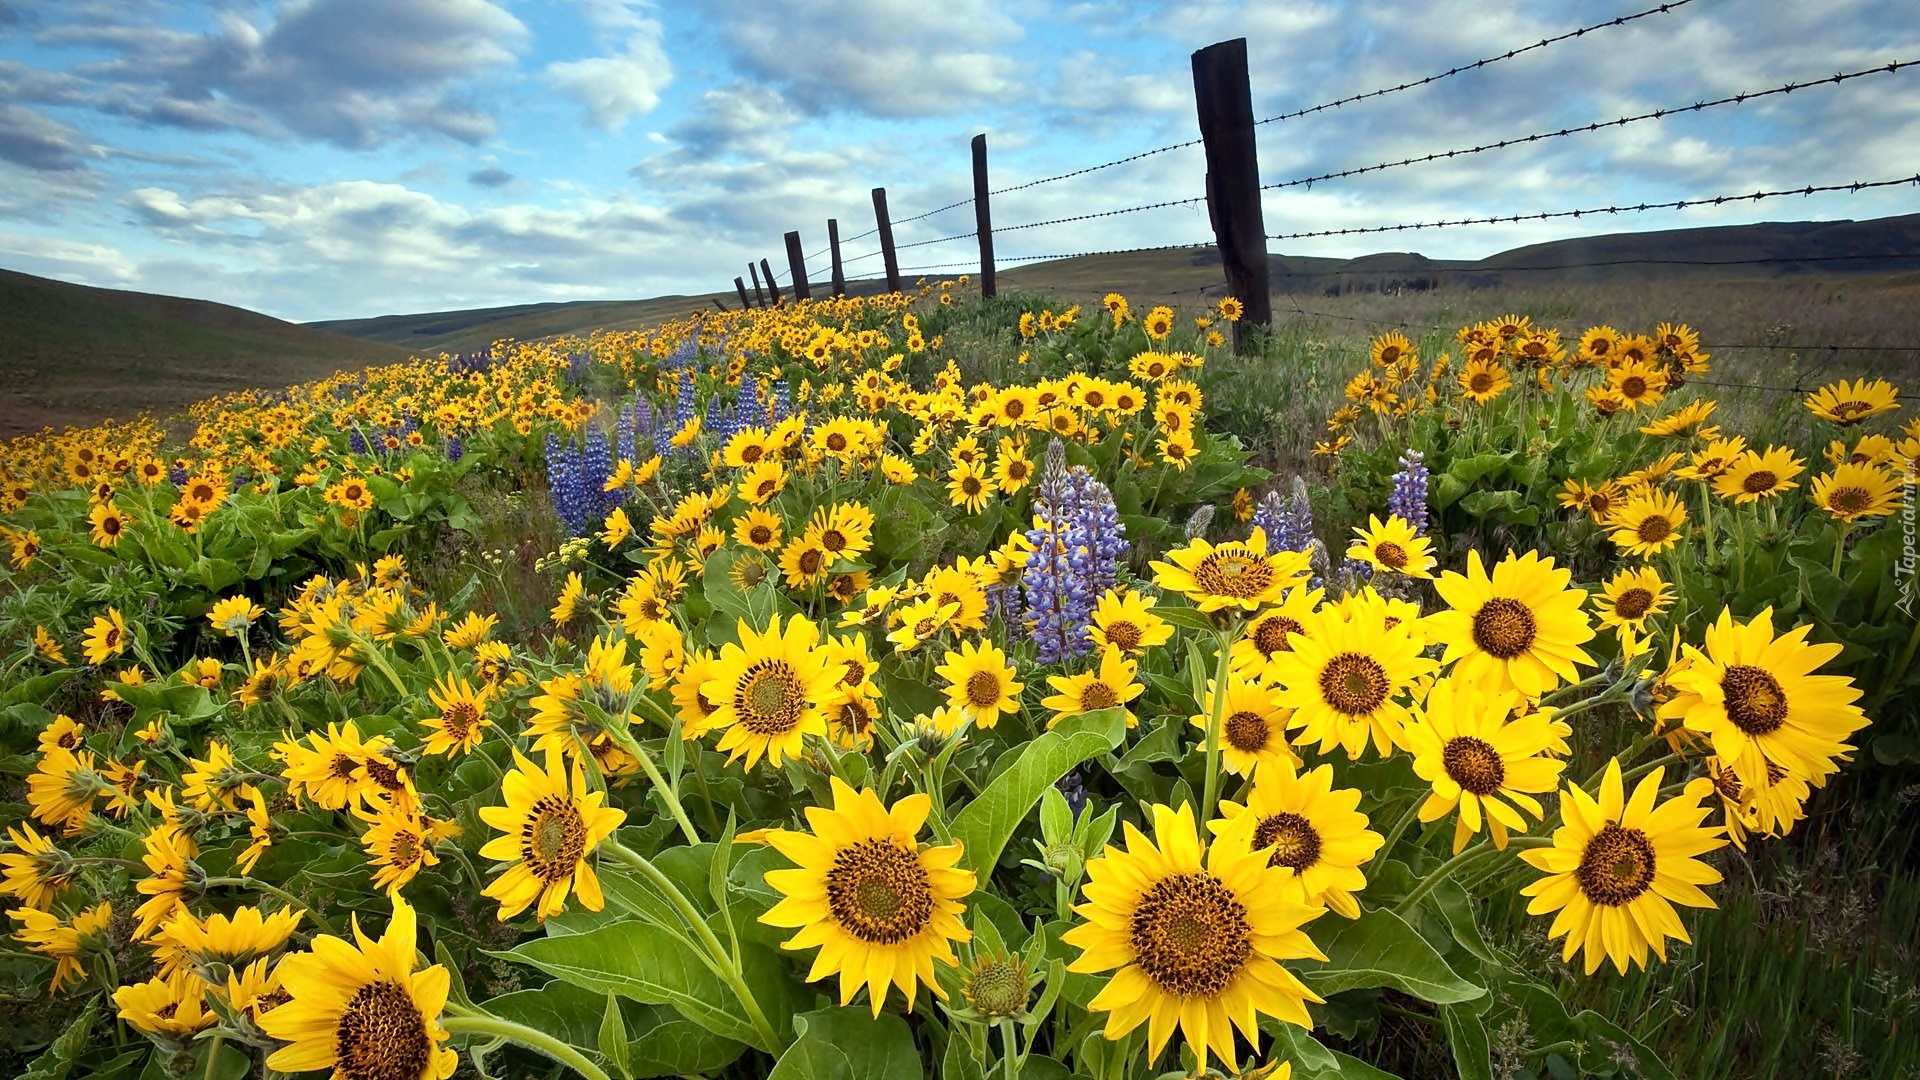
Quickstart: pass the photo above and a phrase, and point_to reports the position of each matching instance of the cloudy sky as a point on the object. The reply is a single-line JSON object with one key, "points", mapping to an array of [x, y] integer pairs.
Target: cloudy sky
{"points": [[337, 158]]}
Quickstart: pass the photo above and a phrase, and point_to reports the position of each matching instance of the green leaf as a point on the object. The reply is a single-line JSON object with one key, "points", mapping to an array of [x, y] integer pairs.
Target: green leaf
{"points": [[1190, 618], [849, 1044], [58, 1059], [1468, 1038], [1469, 470], [1456, 910], [1380, 949], [1313, 1061], [988, 822], [613, 1036], [635, 960], [668, 1045]]}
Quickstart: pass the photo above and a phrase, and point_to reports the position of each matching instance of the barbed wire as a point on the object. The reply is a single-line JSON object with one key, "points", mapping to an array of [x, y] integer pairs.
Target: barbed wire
{"points": [[1611, 262], [1676, 204], [1096, 168], [930, 213], [1103, 213], [1734, 99], [1463, 68]]}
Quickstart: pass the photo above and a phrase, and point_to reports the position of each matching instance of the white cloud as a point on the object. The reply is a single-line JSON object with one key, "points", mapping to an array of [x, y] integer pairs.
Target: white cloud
{"points": [[616, 88], [895, 58]]}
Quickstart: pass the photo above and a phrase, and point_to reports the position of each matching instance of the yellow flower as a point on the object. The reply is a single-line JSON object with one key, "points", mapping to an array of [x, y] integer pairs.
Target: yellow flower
{"points": [[469, 631], [1197, 937], [172, 1005], [47, 646], [1343, 678], [980, 683], [108, 522], [1847, 403], [567, 608], [1851, 492], [1110, 684], [462, 722], [1631, 597], [1393, 546], [618, 528], [968, 486], [35, 870], [1252, 727], [881, 908], [1311, 828], [769, 691], [1755, 476], [361, 1009], [1479, 761], [1619, 864], [758, 529], [107, 637], [1756, 698], [67, 944], [397, 844], [550, 824], [1235, 574], [1125, 620], [234, 615], [1648, 523], [1521, 628]]}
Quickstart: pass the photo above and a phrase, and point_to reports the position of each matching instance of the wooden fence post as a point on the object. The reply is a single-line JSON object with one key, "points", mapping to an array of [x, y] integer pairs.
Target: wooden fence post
{"points": [[797, 260], [759, 298], [721, 304], [1225, 103], [982, 224], [772, 285], [741, 288], [833, 241], [886, 239]]}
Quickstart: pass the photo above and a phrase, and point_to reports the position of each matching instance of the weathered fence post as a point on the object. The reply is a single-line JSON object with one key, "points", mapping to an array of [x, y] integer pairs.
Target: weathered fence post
{"points": [[982, 224], [772, 285], [721, 304], [833, 241], [1225, 104], [886, 239], [798, 262], [741, 288], [759, 298]]}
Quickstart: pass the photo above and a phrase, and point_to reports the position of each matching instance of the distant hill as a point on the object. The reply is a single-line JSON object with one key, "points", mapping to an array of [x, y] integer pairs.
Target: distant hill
{"points": [[73, 353]]}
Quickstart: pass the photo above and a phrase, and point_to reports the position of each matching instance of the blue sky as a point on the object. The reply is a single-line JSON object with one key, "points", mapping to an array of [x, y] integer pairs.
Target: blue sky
{"points": [[338, 158]]}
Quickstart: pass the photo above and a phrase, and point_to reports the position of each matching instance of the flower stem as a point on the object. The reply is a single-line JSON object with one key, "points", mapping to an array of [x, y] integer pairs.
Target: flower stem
{"points": [[1214, 719], [460, 1022], [1840, 545], [1446, 869], [721, 960], [275, 891]]}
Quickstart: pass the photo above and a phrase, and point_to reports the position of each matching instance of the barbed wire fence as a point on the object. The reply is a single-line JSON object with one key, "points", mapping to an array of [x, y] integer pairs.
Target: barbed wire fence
{"points": [[1232, 203]]}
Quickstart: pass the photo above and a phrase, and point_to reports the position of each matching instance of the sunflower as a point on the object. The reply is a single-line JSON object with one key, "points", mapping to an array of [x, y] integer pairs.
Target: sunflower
{"points": [[1682, 421], [1252, 728], [362, 1010], [1638, 382], [758, 529], [462, 722], [1197, 936], [107, 637], [1598, 502], [1756, 698], [880, 908], [1755, 476], [1481, 381], [1847, 403], [66, 944], [769, 691], [1236, 574], [980, 683], [1632, 596], [171, 1005], [1159, 323], [1310, 827], [804, 562], [762, 481], [1389, 349], [1110, 684], [1393, 546], [1271, 633], [1768, 811], [1125, 620], [567, 607], [1851, 492], [844, 531], [1521, 628], [1715, 458], [397, 844], [108, 522], [1343, 678], [231, 940], [1619, 864], [35, 871], [550, 824], [469, 631], [1648, 523], [1480, 760]]}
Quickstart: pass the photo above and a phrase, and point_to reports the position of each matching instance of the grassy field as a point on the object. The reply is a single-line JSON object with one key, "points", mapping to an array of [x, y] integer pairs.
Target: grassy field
{"points": [[74, 354]]}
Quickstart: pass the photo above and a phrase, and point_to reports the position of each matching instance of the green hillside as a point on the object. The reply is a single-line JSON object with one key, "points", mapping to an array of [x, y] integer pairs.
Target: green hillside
{"points": [[72, 353]]}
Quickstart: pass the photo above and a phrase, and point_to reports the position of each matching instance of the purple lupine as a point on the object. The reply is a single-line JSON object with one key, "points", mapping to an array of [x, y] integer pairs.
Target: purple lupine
{"points": [[456, 449], [356, 442], [1079, 544], [1409, 497], [1288, 521], [577, 478]]}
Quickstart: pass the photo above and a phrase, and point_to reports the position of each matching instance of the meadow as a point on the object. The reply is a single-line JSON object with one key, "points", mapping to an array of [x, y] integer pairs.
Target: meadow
{"points": [[922, 685]]}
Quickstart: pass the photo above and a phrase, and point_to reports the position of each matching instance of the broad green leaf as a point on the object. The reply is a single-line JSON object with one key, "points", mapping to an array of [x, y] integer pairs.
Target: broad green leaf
{"points": [[668, 1044], [636, 961], [57, 1062], [1456, 909], [989, 821], [613, 1036], [1468, 1038], [849, 1044], [1380, 949], [1313, 1061]]}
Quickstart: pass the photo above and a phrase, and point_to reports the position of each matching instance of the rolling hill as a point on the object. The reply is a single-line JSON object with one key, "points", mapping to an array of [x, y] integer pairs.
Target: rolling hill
{"points": [[73, 353]]}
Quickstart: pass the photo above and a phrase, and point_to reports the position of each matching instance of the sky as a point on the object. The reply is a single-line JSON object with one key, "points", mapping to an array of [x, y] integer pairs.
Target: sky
{"points": [[317, 159]]}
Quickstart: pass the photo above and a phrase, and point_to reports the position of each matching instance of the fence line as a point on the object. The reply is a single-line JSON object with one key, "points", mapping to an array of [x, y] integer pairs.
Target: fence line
{"points": [[1538, 136]]}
